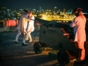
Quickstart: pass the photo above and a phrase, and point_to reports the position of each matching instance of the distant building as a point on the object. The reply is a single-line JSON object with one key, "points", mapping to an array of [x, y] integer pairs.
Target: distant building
{"points": [[68, 12], [2, 8]]}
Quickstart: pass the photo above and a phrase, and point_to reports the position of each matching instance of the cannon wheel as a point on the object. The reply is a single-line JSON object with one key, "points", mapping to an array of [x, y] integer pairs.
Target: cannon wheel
{"points": [[37, 48], [63, 57]]}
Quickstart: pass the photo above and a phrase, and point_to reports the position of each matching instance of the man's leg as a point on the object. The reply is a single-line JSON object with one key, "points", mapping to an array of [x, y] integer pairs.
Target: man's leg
{"points": [[24, 39], [17, 36], [23, 42], [81, 46], [29, 36]]}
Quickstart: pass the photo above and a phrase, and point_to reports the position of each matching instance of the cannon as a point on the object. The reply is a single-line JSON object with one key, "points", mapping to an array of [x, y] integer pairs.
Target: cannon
{"points": [[52, 35]]}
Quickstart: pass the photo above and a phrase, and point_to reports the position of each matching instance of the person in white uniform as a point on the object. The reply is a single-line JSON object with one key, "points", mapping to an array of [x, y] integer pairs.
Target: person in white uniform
{"points": [[28, 27], [25, 14], [79, 24]]}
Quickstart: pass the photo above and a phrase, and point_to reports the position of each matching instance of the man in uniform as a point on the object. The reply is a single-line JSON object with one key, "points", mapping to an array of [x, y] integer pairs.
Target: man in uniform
{"points": [[79, 24], [25, 14], [27, 27]]}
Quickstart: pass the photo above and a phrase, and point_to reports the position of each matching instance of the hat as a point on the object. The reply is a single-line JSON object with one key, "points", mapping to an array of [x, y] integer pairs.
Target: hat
{"points": [[25, 11], [77, 10], [29, 12]]}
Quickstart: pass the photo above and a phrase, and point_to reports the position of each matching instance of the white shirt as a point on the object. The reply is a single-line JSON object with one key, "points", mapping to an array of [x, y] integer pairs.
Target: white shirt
{"points": [[30, 27]]}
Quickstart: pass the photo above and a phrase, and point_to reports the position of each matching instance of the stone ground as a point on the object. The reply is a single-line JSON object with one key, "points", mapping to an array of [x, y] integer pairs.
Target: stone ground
{"points": [[12, 54], [17, 55]]}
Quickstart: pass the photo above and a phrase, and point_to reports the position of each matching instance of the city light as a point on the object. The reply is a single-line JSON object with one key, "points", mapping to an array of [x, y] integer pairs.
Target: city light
{"points": [[47, 14]]}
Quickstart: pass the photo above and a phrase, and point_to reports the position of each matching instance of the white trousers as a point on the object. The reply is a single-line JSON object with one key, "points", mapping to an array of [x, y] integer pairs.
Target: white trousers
{"points": [[27, 37], [18, 34]]}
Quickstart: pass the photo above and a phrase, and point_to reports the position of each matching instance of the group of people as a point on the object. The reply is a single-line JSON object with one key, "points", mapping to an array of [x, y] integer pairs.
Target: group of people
{"points": [[25, 27]]}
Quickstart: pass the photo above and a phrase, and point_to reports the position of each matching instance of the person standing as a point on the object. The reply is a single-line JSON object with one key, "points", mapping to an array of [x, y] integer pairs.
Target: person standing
{"points": [[28, 27], [79, 24], [25, 14]]}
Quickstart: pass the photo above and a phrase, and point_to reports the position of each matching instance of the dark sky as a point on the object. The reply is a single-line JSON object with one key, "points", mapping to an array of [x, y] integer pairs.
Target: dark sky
{"points": [[68, 4]]}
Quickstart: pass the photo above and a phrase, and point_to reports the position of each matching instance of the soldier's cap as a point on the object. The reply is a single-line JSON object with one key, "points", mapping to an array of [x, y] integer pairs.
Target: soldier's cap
{"points": [[77, 9], [27, 11]]}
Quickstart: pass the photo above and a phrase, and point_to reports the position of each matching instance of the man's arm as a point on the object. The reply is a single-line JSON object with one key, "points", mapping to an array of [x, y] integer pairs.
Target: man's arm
{"points": [[23, 24], [74, 23], [33, 18]]}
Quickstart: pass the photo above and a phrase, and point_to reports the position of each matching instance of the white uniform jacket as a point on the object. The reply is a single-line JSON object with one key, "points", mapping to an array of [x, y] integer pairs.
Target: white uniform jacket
{"points": [[20, 20], [79, 24], [31, 25]]}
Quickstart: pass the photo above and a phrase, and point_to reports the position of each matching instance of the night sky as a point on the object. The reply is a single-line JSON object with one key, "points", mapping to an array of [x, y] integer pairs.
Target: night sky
{"points": [[45, 4]]}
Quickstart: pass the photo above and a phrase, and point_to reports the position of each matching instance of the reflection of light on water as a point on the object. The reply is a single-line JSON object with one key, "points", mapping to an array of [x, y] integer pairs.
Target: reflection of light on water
{"points": [[85, 13]]}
